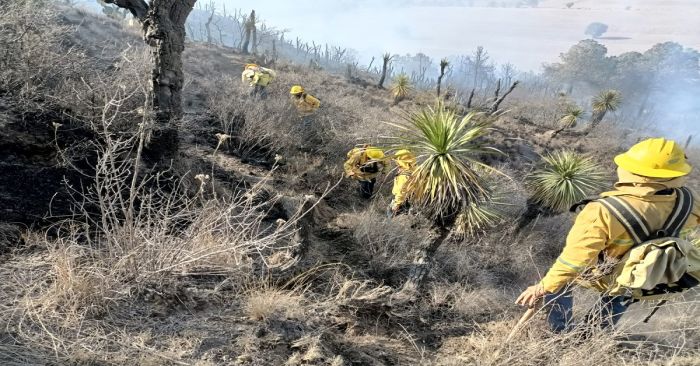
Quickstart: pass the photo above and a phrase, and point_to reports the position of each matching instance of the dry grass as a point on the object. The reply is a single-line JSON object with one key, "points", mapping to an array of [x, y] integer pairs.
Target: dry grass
{"points": [[272, 304], [158, 270]]}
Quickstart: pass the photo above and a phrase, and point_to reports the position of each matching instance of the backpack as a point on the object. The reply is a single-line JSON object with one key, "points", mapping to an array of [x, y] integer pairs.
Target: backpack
{"points": [[660, 264], [271, 73]]}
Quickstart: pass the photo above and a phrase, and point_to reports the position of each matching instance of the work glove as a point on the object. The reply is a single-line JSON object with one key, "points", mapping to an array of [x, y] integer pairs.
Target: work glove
{"points": [[531, 295]]}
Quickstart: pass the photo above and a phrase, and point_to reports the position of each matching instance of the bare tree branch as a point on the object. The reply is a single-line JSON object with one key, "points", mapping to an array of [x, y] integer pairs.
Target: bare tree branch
{"points": [[137, 8]]}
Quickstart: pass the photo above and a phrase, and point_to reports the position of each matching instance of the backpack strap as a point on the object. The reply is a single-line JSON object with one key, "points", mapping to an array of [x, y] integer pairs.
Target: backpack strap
{"points": [[634, 223], [580, 204], [680, 213]]}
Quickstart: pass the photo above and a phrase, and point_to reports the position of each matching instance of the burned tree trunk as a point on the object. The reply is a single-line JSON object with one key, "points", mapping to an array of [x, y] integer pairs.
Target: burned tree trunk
{"points": [[386, 58], [471, 98], [596, 119], [498, 90], [249, 26], [443, 65], [254, 40], [163, 24], [422, 262], [207, 25], [497, 103]]}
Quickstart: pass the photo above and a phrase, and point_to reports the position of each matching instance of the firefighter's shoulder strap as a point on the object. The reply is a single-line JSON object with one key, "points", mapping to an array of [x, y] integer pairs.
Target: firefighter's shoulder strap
{"points": [[638, 227]]}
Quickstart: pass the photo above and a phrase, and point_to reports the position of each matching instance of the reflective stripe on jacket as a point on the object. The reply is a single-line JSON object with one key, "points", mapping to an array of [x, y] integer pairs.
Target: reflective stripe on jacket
{"points": [[596, 231]]}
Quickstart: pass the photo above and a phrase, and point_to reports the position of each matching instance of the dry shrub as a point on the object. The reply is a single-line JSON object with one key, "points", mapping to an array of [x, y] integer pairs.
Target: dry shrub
{"points": [[35, 59], [267, 303], [480, 302], [133, 230], [388, 244], [486, 347]]}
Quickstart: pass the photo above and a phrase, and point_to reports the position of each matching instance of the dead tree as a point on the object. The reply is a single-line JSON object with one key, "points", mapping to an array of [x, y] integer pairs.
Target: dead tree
{"points": [[498, 90], [443, 65], [498, 101], [249, 27], [471, 98], [207, 25], [221, 33], [254, 38], [386, 58], [163, 24], [239, 21], [274, 51]]}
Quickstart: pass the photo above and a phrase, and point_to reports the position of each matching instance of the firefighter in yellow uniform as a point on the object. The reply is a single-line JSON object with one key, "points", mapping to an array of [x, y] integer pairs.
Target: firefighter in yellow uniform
{"points": [[364, 164], [405, 163], [258, 78], [648, 174], [305, 103]]}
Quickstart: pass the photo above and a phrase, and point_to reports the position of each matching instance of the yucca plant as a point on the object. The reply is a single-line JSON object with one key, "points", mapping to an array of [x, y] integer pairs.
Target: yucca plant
{"points": [[569, 120], [606, 101], [402, 86], [564, 178], [448, 178], [443, 66]]}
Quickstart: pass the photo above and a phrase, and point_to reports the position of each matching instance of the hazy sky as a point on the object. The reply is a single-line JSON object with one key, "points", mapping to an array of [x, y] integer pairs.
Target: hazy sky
{"points": [[524, 36]]}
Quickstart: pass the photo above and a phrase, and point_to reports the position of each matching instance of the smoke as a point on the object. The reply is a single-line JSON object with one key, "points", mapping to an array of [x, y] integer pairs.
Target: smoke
{"points": [[525, 36]]}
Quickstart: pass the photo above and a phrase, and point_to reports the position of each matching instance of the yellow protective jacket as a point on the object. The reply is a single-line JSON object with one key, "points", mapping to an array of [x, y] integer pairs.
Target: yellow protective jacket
{"points": [[398, 190], [359, 166], [596, 231], [261, 79], [307, 104]]}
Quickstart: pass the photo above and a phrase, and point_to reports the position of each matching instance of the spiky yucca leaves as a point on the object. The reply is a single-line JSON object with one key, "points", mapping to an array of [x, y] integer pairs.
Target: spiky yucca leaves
{"points": [[446, 182], [477, 217], [448, 147], [571, 118], [401, 88], [566, 177], [606, 101]]}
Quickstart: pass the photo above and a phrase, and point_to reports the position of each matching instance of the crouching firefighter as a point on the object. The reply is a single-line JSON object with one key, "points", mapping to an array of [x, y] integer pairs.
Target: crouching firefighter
{"points": [[364, 164], [258, 78], [405, 163], [630, 244]]}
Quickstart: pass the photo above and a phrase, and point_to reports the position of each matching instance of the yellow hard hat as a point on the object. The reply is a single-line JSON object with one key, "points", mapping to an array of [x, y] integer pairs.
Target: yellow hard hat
{"points": [[250, 66], [404, 158], [374, 153], [655, 158], [296, 89], [405, 155]]}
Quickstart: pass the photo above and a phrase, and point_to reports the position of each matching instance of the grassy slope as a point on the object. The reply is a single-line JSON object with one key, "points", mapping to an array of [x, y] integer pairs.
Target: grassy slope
{"points": [[330, 308]]}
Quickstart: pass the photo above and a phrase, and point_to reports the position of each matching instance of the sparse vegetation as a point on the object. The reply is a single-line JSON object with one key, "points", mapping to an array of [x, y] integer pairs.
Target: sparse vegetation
{"points": [[246, 248]]}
